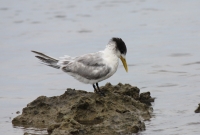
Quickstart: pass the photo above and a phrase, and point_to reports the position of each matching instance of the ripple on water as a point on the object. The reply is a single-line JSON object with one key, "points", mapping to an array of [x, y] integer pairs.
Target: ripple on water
{"points": [[168, 85], [84, 15], [60, 16], [192, 63], [19, 21], [194, 123], [180, 54], [4, 8], [33, 131], [84, 31], [167, 71], [35, 22], [158, 130]]}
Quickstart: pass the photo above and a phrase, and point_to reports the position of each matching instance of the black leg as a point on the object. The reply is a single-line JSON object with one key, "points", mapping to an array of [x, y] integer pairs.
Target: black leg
{"points": [[102, 93], [95, 88]]}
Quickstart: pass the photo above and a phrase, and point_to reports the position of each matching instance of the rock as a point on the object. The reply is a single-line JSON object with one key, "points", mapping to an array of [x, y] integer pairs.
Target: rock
{"points": [[198, 109], [18, 112], [76, 112], [146, 98]]}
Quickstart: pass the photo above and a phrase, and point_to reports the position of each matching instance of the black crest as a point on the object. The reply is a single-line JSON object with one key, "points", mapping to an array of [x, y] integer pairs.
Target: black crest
{"points": [[120, 45]]}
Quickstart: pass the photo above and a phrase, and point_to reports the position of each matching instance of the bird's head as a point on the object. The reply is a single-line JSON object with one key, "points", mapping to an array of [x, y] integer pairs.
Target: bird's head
{"points": [[121, 51]]}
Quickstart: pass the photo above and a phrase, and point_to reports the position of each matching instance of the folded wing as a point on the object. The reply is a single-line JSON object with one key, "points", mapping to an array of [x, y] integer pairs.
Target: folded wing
{"points": [[90, 66]]}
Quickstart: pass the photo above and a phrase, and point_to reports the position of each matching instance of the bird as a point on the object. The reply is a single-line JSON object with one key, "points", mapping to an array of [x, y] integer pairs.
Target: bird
{"points": [[90, 68]]}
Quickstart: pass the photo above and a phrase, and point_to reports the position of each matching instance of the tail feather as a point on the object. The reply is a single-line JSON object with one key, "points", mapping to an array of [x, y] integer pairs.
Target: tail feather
{"points": [[47, 60], [43, 55]]}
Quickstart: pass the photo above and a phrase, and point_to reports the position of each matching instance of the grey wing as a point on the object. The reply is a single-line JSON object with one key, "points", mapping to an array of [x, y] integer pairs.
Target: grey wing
{"points": [[89, 66], [64, 60]]}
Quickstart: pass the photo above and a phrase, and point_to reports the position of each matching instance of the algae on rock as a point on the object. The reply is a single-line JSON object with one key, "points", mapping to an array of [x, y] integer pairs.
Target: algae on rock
{"points": [[121, 111]]}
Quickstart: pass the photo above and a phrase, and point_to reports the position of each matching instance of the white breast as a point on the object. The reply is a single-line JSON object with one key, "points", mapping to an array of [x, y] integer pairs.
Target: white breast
{"points": [[111, 59]]}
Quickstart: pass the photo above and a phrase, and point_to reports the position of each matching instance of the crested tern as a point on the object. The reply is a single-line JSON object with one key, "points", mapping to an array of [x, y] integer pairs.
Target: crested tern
{"points": [[93, 67]]}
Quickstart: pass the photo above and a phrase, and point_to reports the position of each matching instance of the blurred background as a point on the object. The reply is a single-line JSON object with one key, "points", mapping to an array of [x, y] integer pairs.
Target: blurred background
{"points": [[162, 38]]}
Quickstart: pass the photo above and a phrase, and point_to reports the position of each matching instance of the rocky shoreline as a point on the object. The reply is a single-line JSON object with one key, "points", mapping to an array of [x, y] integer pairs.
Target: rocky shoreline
{"points": [[77, 112]]}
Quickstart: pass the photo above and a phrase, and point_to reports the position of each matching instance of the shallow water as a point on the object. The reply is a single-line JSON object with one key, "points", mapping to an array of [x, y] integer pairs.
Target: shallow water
{"points": [[163, 41]]}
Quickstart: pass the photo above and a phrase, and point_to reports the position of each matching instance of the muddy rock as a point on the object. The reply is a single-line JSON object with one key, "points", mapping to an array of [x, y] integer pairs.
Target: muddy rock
{"points": [[77, 112], [146, 98], [198, 109]]}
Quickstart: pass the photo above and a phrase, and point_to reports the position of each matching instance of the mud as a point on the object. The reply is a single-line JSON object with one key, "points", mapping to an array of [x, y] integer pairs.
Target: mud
{"points": [[76, 112]]}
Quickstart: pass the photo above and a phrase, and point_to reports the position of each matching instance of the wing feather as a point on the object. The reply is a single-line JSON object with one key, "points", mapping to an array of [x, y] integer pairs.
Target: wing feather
{"points": [[90, 66]]}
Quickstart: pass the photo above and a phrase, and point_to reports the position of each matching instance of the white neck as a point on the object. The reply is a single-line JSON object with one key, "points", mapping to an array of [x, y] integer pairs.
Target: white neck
{"points": [[110, 55], [111, 48]]}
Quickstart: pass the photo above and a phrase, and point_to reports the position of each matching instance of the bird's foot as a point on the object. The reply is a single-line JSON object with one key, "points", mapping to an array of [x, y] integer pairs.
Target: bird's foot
{"points": [[96, 91], [100, 93]]}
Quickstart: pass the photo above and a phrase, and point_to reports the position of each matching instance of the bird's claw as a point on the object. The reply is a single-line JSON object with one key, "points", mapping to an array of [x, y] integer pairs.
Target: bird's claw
{"points": [[100, 93]]}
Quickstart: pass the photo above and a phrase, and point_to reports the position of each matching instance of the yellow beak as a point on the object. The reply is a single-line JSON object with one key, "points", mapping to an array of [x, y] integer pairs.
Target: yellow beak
{"points": [[124, 63]]}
